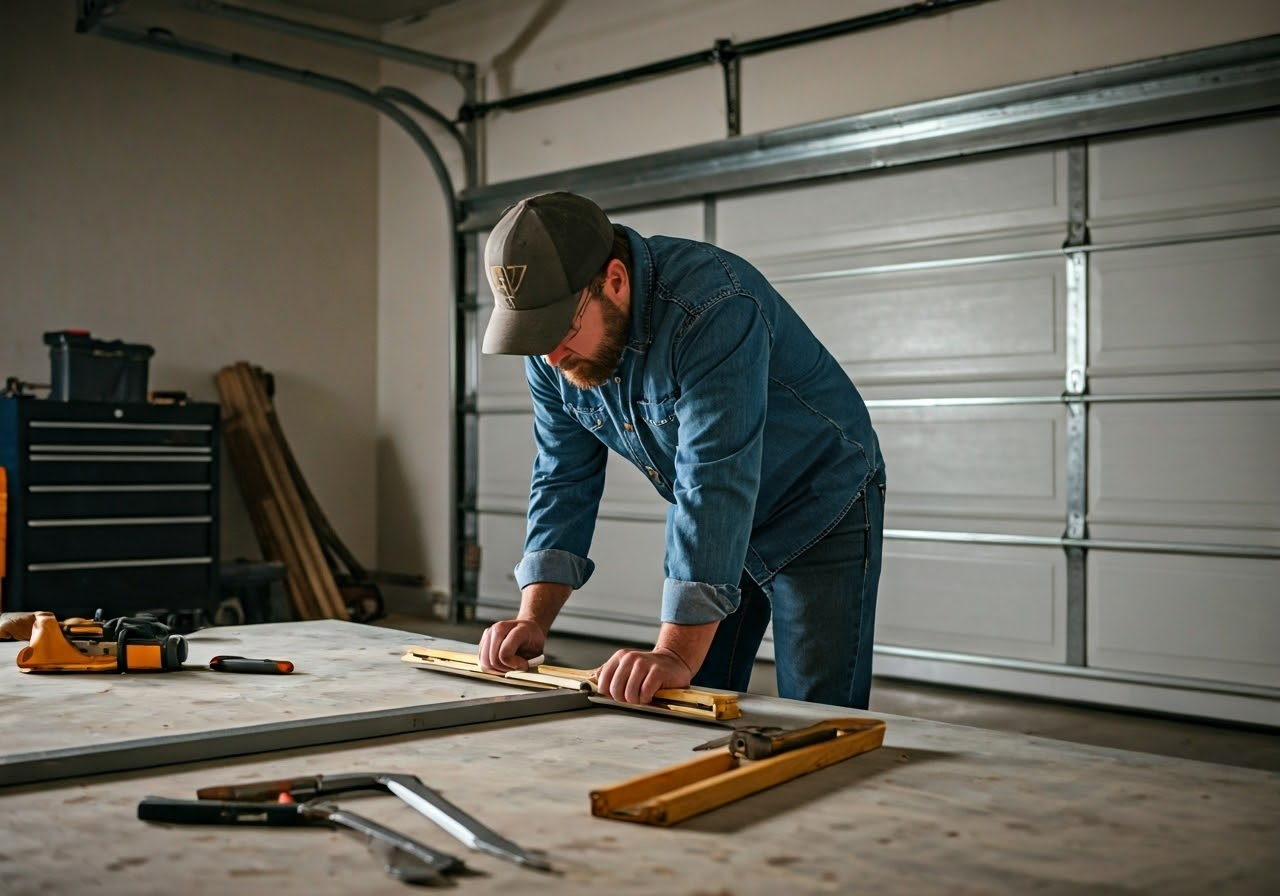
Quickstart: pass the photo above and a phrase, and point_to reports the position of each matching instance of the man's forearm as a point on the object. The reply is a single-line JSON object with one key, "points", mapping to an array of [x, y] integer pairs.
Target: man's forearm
{"points": [[689, 643], [540, 602]]}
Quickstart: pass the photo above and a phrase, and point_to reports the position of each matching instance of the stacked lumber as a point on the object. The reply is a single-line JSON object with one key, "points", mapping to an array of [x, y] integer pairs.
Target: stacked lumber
{"points": [[285, 533]]}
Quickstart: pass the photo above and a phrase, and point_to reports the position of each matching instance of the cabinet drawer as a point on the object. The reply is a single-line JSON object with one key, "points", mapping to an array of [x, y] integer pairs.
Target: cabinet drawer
{"points": [[78, 469], [58, 542], [72, 501], [44, 433], [119, 590]]}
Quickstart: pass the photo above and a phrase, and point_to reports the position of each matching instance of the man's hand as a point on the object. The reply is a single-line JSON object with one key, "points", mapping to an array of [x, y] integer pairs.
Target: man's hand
{"points": [[634, 676], [506, 646]]}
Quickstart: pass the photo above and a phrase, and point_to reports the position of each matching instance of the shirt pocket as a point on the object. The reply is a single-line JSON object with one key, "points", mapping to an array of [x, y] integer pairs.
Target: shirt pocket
{"points": [[591, 418], [660, 415]]}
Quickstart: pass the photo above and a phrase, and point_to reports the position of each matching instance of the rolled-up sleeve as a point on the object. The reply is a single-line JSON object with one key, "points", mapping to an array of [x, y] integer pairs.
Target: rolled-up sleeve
{"points": [[561, 567], [695, 603]]}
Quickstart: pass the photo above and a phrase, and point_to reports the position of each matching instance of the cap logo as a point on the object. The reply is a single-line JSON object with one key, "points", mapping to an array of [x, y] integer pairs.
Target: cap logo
{"points": [[507, 280]]}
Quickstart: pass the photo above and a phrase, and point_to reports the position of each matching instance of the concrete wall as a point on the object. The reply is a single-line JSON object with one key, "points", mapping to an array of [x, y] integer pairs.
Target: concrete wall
{"points": [[527, 45], [213, 214]]}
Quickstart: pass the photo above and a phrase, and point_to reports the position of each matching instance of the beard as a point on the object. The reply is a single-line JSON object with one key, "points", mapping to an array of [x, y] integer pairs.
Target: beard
{"points": [[589, 373]]}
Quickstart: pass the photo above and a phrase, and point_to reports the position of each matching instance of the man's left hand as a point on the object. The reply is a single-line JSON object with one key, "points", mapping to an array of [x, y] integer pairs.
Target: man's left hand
{"points": [[634, 676]]}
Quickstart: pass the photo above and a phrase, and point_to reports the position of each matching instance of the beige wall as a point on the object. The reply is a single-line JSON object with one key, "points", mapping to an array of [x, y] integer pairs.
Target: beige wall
{"points": [[213, 214], [526, 45]]}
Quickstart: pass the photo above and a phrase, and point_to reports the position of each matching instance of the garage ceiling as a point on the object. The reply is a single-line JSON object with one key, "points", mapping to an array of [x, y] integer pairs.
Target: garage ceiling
{"points": [[373, 12]]}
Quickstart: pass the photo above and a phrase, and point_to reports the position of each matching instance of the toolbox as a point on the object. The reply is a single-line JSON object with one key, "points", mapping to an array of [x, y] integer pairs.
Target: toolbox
{"points": [[111, 506], [88, 369]]}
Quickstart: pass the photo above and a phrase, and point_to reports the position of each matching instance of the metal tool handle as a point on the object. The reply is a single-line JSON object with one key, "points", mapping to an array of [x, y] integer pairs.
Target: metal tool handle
{"points": [[434, 859], [158, 808], [301, 789], [759, 745]]}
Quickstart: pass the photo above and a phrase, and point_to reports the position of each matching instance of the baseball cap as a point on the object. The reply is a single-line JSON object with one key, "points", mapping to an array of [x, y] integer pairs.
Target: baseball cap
{"points": [[540, 256]]}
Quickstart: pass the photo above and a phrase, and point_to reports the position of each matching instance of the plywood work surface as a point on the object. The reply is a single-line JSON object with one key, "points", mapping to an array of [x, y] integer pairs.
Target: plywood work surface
{"points": [[938, 808], [339, 667]]}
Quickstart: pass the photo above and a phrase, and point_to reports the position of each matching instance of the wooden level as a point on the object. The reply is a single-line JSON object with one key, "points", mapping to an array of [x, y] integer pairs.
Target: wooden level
{"points": [[681, 791], [703, 703]]}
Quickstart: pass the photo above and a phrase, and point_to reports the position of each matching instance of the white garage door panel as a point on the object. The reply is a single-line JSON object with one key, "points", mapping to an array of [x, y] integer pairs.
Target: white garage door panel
{"points": [[1216, 170], [622, 599], [501, 541], [994, 321], [1186, 464], [986, 599], [984, 196], [975, 461], [686, 220], [505, 458], [1202, 617], [624, 596], [1179, 309]]}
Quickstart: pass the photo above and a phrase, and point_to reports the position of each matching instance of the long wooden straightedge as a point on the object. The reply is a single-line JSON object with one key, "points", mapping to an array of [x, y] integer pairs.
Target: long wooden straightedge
{"points": [[673, 794], [700, 703]]}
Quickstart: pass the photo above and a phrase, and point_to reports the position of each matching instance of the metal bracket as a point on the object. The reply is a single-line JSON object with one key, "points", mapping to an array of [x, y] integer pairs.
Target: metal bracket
{"points": [[727, 55], [1077, 362]]}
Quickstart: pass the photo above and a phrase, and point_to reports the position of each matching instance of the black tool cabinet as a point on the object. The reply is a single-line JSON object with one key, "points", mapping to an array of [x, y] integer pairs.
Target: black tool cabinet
{"points": [[112, 506]]}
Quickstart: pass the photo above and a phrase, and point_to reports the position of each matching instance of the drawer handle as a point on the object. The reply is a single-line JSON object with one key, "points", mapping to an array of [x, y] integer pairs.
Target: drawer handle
{"points": [[120, 521], [119, 564]]}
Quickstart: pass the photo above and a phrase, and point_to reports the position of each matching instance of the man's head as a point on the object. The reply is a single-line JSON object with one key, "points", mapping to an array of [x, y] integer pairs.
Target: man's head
{"points": [[561, 286]]}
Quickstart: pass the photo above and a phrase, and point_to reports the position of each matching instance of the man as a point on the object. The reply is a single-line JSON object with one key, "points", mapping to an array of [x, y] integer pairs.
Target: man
{"points": [[681, 358]]}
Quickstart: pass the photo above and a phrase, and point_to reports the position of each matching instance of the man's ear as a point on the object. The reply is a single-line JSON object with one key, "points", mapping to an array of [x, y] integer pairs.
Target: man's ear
{"points": [[617, 282]]}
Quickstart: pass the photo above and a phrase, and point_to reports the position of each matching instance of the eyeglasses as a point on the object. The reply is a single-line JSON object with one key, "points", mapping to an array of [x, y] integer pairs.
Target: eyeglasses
{"points": [[576, 324]]}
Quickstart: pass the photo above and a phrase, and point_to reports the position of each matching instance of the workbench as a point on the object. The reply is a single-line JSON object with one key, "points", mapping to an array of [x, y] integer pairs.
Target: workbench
{"points": [[938, 808]]}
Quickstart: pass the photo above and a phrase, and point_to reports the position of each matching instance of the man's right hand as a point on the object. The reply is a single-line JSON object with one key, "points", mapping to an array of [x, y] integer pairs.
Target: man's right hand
{"points": [[506, 646]]}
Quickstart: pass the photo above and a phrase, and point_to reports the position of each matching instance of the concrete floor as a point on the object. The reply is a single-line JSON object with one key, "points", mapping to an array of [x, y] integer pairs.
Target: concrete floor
{"points": [[1187, 739]]}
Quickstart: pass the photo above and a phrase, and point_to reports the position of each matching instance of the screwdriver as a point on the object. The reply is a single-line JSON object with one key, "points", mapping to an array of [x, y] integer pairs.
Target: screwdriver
{"points": [[244, 664]]}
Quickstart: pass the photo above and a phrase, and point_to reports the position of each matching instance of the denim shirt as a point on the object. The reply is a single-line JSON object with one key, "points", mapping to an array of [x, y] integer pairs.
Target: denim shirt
{"points": [[737, 414]]}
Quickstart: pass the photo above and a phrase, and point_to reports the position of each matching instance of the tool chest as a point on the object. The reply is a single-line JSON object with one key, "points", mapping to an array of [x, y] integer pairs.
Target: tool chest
{"points": [[111, 506]]}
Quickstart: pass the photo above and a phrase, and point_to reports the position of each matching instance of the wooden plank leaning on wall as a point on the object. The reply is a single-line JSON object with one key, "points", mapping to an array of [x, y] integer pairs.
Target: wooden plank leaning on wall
{"points": [[280, 521]]}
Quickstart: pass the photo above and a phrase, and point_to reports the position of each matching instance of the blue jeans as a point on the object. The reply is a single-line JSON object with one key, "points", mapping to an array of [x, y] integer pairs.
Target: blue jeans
{"points": [[823, 605]]}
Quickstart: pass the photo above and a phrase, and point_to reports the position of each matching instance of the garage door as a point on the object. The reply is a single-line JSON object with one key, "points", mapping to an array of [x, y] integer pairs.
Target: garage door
{"points": [[1072, 356]]}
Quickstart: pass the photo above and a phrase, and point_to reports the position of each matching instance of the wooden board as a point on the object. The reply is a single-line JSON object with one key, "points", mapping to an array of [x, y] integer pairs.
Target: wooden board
{"points": [[702, 703], [285, 532], [671, 795]]}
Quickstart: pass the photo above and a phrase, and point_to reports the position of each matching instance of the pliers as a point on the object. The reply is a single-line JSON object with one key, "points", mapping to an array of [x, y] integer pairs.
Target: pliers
{"points": [[407, 787], [403, 858]]}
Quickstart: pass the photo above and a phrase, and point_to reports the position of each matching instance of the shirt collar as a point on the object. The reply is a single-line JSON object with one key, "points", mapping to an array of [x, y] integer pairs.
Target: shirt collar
{"points": [[643, 274]]}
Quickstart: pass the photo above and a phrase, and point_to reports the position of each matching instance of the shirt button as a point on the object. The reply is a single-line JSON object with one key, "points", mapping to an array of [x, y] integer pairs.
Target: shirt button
{"points": [[628, 427], [653, 474]]}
